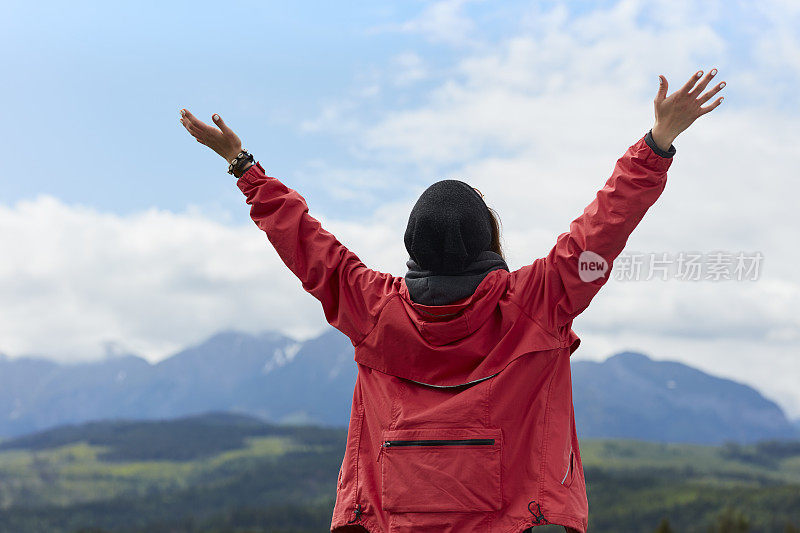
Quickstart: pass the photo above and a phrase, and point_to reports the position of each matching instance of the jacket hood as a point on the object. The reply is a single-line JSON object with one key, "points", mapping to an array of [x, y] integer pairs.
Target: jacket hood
{"points": [[428, 288], [445, 324], [459, 343], [448, 227]]}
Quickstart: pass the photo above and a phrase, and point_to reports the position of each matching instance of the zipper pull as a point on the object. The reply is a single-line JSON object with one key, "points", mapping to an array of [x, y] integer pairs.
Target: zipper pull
{"points": [[386, 443]]}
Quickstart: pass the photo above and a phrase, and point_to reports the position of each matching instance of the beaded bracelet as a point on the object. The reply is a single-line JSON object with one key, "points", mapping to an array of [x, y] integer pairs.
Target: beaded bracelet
{"points": [[239, 161]]}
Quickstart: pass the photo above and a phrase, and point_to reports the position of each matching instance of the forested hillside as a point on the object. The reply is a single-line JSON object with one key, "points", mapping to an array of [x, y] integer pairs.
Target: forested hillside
{"points": [[225, 473]]}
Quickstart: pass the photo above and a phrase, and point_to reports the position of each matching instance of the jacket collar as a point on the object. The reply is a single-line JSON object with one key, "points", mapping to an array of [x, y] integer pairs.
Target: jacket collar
{"points": [[429, 289], [447, 308]]}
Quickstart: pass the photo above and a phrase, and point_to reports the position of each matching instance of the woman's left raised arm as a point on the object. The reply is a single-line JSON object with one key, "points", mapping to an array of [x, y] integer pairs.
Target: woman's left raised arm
{"points": [[351, 294], [561, 285]]}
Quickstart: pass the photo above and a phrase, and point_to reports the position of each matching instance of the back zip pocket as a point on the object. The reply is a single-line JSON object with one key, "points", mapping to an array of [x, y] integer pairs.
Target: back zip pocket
{"points": [[441, 469]]}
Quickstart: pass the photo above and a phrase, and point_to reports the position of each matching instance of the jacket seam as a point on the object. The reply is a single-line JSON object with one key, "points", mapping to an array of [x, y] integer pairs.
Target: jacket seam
{"points": [[487, 423], [536, 321], [377, 316], [358, 449], [489, 401], [395, 409], [542, 480]]}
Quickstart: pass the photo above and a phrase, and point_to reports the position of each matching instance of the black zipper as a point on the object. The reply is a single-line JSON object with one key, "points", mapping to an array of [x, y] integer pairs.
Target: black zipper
{"points": [[453, 442], [435, 442]]}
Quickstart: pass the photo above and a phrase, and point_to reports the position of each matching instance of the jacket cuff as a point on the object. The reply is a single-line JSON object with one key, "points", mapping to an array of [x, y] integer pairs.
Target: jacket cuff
{"points": [[648, 138], [251, 176]]}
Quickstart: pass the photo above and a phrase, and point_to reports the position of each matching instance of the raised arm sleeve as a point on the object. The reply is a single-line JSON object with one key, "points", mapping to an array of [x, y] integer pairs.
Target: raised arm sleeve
{"points": [[556, 288], [350, 293]]}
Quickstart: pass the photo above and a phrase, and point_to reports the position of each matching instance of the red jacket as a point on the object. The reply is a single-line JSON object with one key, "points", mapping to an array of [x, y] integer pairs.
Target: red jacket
{"points": [[462, 415]]}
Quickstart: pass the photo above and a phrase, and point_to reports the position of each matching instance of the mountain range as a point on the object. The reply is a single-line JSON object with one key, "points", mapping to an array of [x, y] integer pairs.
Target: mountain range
{"points": [[281, 380]]}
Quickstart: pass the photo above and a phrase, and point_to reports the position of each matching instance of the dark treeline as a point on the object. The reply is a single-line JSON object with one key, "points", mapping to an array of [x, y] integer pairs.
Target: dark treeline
{"points": [[181, 439], [645, 502], [631, 486]]}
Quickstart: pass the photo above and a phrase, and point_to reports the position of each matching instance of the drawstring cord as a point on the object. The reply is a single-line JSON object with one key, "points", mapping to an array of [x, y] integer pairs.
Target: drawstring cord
{"points": [[357, 516], [539, 518]]}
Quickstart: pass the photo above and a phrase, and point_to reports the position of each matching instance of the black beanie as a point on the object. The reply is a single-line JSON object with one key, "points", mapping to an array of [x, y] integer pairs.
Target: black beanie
{"points": [[448, 227]]}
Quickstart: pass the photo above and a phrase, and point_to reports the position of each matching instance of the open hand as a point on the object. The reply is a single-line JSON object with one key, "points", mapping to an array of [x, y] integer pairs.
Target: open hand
{"points": [[676, 112], [221, 139]]}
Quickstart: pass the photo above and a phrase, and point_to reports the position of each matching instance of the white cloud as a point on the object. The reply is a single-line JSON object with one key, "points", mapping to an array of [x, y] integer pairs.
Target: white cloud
{"points": [[408, 68], [443, 21], [75, 282], [537, 120]]}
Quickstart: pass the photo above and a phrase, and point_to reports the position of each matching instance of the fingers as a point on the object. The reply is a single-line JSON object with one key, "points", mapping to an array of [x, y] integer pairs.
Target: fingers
{"points": [[220, 139], [689, 84], [662, 88], [221, 124], [188, 117], [702, 85], [711, 106], [194, 130], [200, 130], [706, 97], [185, 123], [197, 124]]}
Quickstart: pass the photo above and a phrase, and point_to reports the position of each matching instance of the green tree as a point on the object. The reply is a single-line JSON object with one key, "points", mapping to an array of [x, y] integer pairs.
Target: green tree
{"points": [[730, 520], [664, 526]]}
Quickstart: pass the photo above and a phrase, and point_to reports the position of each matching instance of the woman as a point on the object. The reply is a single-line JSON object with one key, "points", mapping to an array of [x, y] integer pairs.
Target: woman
{"points": [[462, 414]]}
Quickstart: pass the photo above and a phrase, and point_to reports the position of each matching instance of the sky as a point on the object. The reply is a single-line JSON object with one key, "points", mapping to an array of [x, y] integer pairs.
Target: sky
{"points": [[121, 234]]}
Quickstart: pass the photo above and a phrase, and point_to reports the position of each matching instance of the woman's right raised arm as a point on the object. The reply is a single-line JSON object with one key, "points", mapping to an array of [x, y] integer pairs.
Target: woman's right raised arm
{"points": [[351, 294]]}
